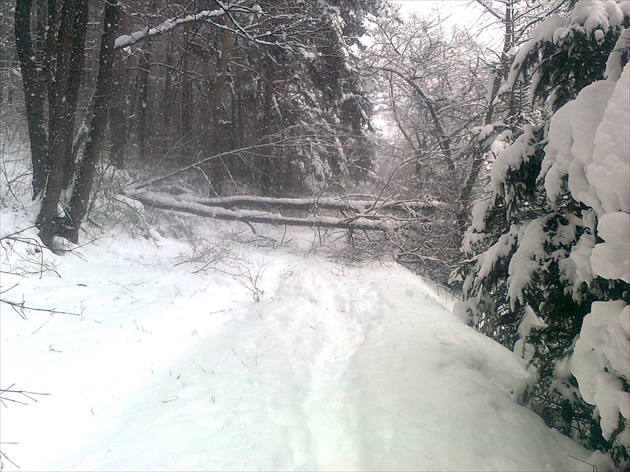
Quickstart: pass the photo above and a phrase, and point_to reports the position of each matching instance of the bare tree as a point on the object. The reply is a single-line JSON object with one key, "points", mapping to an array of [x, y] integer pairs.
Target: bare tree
{"points": [[52, 84], [431, 90]]}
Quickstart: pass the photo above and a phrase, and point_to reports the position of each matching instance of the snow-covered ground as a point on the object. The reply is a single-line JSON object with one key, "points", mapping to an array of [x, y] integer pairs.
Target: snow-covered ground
{"points": [[275, 359]]}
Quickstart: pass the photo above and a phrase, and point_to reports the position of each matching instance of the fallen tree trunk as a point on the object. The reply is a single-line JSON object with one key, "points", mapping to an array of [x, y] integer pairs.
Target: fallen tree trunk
{"points": [[168, 202], [310, 204]]}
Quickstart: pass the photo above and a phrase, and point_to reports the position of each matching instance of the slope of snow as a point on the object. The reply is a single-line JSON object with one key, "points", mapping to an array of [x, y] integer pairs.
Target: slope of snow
{"points": [[281, 360]]}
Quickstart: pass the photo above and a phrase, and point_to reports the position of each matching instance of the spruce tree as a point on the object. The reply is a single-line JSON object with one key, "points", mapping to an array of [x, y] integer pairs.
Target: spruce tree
{"points": [[547, 269]]}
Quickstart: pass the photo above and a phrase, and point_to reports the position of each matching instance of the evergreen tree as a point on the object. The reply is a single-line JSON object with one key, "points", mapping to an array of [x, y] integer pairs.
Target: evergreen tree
{"points": [[548, 271]]}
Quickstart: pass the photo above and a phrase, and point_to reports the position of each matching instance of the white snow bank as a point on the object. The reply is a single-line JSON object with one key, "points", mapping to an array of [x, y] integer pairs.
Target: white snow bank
{"points": [[333, 368]]}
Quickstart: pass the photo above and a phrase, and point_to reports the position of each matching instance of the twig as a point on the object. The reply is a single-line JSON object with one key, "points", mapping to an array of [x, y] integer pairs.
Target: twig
{"points": [[10, 288], [21, 306], [7, 457], [24, 393], [584, 462]]}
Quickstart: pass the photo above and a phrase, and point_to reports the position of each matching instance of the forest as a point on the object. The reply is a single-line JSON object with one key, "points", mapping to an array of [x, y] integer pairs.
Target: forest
{"points": [[490, 156]]}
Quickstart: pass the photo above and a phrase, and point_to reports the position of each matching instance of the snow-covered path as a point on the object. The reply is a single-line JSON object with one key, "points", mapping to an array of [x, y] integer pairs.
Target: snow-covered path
{"points": [[290, 363]]}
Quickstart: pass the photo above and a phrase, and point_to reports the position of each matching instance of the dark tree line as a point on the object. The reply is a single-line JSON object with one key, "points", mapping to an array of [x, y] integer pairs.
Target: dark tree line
{"points": [[187, 81]]}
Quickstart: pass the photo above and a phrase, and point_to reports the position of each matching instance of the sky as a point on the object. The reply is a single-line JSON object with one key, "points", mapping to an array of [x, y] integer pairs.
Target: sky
{"points": [[462, 13]]}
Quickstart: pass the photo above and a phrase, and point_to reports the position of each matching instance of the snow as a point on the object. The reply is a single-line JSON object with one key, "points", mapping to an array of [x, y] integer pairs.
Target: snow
{"points": [[544, 32], [589, 147], [609, 171], [475, 232], [577, 267], [499, 250], [589, 142], [530, 320], [511, 158], [577, 127], [597, 14], [607, 258], [169, 202], [615, 62], [588, 155], [591, 17], [277, 359], [601, 358], [528, 258]]}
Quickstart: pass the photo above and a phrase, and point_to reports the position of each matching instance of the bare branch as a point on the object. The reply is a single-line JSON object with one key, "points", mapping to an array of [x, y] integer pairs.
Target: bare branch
{"points": [[19, 393], [488, 8], [21, 307]]}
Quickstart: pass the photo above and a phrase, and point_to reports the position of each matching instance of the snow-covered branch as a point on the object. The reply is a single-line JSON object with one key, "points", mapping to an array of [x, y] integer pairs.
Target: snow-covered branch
{"points": [[289, 24], [128, 39], [310, 204]]}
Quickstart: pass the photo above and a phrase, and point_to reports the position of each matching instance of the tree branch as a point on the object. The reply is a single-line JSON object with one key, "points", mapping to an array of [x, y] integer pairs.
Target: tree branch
{"points": [[20, 307], [129, 39]]}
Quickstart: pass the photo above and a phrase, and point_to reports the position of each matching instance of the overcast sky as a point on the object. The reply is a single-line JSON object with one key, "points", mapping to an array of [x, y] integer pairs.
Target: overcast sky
{"points": [[464, 13]]}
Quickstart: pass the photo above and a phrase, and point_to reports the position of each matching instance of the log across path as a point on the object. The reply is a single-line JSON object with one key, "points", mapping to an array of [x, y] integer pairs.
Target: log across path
{"points": [[366, 215]]}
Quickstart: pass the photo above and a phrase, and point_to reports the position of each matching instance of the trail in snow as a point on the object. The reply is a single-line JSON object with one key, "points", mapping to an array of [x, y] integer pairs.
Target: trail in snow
{"points": [[332, 368]]}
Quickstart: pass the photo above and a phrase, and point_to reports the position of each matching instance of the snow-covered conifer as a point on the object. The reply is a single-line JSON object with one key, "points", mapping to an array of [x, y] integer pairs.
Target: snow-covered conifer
{"points": [[552, 241]]}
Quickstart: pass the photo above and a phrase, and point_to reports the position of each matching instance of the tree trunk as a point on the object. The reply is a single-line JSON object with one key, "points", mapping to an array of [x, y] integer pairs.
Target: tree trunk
{"points": [[62, 100], [267, 162], [508, 44], [121, 107], [80, 196], [167, 103], [478, 150], [186, 110], [167, 202], [34, 95], [51, 150], [219, 87], [74, 69], [118, 121], [143, 102]]}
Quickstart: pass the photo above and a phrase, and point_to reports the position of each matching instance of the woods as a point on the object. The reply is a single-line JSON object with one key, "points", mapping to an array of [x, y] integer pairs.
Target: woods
{"points": [[494, 162], [316, 104]]}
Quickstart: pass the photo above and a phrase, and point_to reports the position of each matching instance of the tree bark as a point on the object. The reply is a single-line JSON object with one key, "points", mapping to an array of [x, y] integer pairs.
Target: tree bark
{"points": [[356, 207], [62, 100], [219, 87], [34, 95], [118, 120], [74, 69], [80, 196], [167, 103], [479, 151], [59, 74], [268, 165], [186, 109], [144, 67]]}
